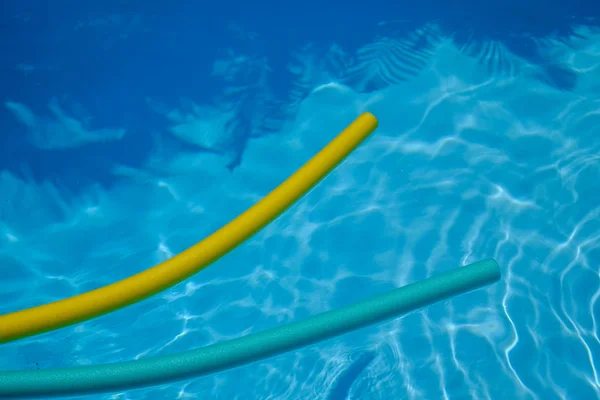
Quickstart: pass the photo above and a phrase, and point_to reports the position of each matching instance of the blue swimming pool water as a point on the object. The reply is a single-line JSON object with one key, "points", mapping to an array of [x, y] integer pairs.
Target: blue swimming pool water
{"points": [[130, 130]]}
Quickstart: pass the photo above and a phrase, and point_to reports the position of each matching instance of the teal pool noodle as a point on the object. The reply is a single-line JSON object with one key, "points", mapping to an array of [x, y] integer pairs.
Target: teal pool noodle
{"points": [[247, 349]]}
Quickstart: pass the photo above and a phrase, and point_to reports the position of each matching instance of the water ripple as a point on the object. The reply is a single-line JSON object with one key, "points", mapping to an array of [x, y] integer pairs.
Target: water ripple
{"points": [[465, 165]]}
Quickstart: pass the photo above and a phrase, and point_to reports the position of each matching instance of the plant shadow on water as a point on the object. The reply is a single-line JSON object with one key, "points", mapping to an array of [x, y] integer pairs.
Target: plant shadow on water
{"points": [[244, 69]]}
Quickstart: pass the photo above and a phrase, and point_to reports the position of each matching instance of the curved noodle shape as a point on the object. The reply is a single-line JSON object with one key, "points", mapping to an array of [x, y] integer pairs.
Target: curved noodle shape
{"points": [[250, 348], [82, 307]]}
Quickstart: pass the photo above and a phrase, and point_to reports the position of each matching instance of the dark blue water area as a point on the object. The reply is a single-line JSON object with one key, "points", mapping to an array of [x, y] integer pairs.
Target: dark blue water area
{"points": [[110, 59], [343, 384]]}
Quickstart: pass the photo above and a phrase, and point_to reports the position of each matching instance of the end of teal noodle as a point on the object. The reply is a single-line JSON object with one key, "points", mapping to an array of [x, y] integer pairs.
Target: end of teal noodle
{"points": [[247, 349]]}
